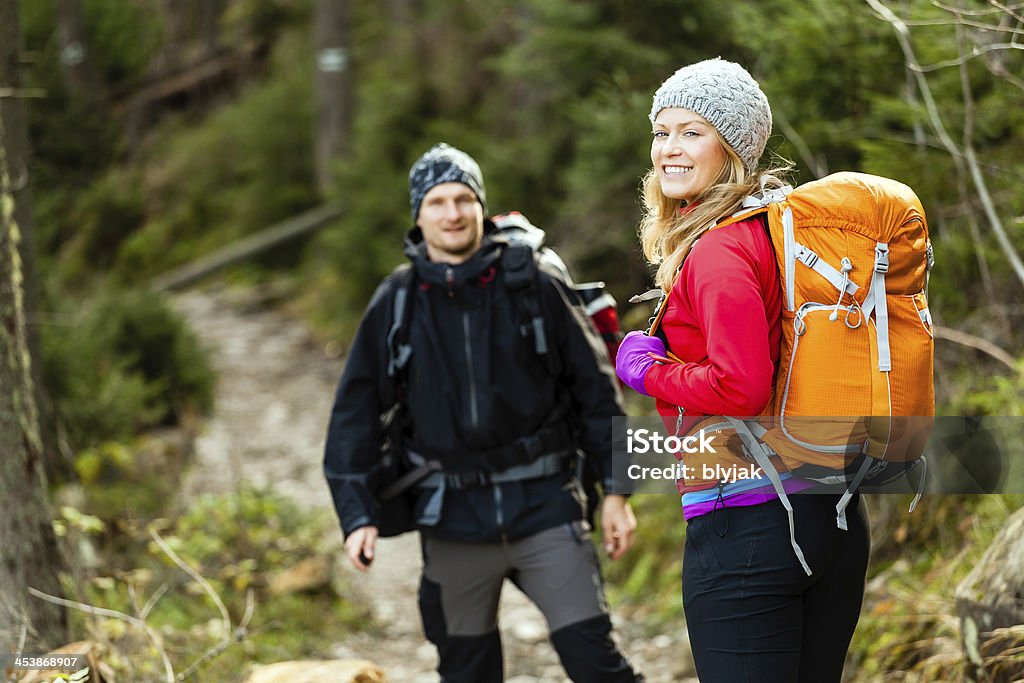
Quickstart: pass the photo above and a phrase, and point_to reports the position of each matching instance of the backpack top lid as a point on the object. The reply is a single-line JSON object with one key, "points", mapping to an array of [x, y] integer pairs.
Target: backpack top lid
{"points": [[870, 205], [518, 228]]}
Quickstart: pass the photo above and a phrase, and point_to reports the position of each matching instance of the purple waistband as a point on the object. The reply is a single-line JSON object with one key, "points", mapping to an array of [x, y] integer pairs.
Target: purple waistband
{"points": [[756, 496]]}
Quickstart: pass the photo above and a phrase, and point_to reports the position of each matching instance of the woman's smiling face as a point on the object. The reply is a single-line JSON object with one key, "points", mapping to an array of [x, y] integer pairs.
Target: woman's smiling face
{"points": [[686, 153]]}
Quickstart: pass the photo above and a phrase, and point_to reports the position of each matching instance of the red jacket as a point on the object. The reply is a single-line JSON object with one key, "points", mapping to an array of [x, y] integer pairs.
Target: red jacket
{"points": [[723, 319]]}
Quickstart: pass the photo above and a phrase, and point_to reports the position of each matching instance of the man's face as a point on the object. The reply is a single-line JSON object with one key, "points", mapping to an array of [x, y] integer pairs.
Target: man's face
{"points": [[452, 221]]}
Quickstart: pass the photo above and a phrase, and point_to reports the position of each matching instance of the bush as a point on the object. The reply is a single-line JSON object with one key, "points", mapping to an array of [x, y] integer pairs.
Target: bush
{"points": [[128, 364]]}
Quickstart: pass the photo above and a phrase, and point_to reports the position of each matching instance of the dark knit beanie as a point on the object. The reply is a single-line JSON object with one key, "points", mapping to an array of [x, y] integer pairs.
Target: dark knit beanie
{"points": [[443, 163]]}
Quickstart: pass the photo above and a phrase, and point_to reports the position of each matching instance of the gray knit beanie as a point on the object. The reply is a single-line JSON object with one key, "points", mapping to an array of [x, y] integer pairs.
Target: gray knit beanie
{"points": [[443, 163], [728, 97]]}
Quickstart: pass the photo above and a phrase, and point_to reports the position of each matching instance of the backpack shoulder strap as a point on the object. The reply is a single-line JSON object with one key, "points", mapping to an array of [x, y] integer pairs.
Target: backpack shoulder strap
{"points": [[743, 214], [519, 268], [402, 297], [518, 265], [739, 217]]}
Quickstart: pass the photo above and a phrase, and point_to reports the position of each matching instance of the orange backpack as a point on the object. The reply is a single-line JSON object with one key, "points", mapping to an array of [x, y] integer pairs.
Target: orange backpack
{"points": [[854, 391]]}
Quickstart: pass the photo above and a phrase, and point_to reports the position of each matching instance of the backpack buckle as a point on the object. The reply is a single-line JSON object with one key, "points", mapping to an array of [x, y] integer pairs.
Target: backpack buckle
{"points": [[533, 446], [881, 258], [465, 480]]}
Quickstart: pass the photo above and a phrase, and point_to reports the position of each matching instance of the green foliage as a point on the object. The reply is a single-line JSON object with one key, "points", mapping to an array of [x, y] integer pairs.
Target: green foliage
{"points": [[551, 97], [123, 38], [646, 581], [127, 481], [236, 542], [247, 167], [105, 214], [73, 520], [264, 19], [128, 363], [790, 53], [1003, 396]]}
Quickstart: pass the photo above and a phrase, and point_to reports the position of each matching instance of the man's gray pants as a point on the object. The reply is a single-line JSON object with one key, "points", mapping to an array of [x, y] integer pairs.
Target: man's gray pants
{"points": [[556, 568]]}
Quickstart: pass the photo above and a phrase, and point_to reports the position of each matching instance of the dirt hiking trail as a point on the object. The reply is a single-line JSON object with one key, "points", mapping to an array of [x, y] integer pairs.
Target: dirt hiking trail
{"points": [[273, 397]]}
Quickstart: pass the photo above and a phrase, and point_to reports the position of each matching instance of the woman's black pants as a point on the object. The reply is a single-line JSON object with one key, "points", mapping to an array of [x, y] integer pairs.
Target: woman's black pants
{"points": [[752, 612]]}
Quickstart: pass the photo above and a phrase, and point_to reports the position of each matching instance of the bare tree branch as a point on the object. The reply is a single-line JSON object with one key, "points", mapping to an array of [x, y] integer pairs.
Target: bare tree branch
{"points": [[977, 343], [215, 651], [997, 68], [197, 577], [967, 154], [26, 93], [977, 12], [976, 52], [968, 141], [1011, 10], [250, 609], [814, 163], [154, 639], [153, 599]]}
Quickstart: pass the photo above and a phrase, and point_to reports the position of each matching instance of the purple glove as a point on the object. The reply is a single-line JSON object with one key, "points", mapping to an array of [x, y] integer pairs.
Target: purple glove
{"points": [[632, 361]]}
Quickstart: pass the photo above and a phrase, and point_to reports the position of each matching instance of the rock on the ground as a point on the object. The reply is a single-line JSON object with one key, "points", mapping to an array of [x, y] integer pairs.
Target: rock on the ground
{"points": [[308, 575], [99, 671], [310, 671], [992, 597]]}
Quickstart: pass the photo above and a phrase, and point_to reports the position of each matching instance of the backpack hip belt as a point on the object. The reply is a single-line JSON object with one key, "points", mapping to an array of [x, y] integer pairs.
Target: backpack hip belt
{"points": [[559, 458], [544, 466], [543, 445]]}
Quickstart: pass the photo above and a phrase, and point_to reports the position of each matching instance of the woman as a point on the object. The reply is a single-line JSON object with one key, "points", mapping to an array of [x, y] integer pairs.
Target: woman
{"points": [[752, 611]]}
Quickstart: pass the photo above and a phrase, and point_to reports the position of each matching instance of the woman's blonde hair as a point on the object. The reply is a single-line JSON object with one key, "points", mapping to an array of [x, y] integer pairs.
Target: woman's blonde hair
{"points": [[667, 233]]}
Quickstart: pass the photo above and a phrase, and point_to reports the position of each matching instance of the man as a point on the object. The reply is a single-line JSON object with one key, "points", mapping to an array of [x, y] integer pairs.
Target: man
{"points": [[500, 399]]}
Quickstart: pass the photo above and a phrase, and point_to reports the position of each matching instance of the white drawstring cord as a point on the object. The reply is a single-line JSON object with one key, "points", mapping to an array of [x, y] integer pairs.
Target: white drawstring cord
{"points": [[847, 267]]}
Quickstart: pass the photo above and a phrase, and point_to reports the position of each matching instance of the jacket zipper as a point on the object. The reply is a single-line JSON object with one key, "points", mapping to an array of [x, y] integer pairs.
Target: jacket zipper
{"points": [[474, 415], [449, 277]]}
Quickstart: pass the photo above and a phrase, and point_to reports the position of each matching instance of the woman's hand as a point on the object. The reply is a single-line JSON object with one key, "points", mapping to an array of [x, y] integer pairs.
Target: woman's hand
{"points": [[634, 358]]}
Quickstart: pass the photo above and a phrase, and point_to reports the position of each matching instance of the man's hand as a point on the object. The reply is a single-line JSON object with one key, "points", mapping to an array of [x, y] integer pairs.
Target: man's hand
{"points": [[359, 546], [618, 525]]}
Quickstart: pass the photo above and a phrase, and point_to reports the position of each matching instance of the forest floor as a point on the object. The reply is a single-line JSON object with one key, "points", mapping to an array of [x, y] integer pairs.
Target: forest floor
{"points": [[274, 393]]}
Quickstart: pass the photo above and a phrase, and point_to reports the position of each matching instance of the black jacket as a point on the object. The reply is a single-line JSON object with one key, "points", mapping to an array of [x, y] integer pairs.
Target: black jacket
{"points": [[474, 384]]}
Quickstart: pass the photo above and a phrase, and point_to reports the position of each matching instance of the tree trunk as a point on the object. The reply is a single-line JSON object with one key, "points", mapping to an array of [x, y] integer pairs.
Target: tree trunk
{"points": [[332, 88], [14, 112], [28, 548], [211, 12], [76, 66]]}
